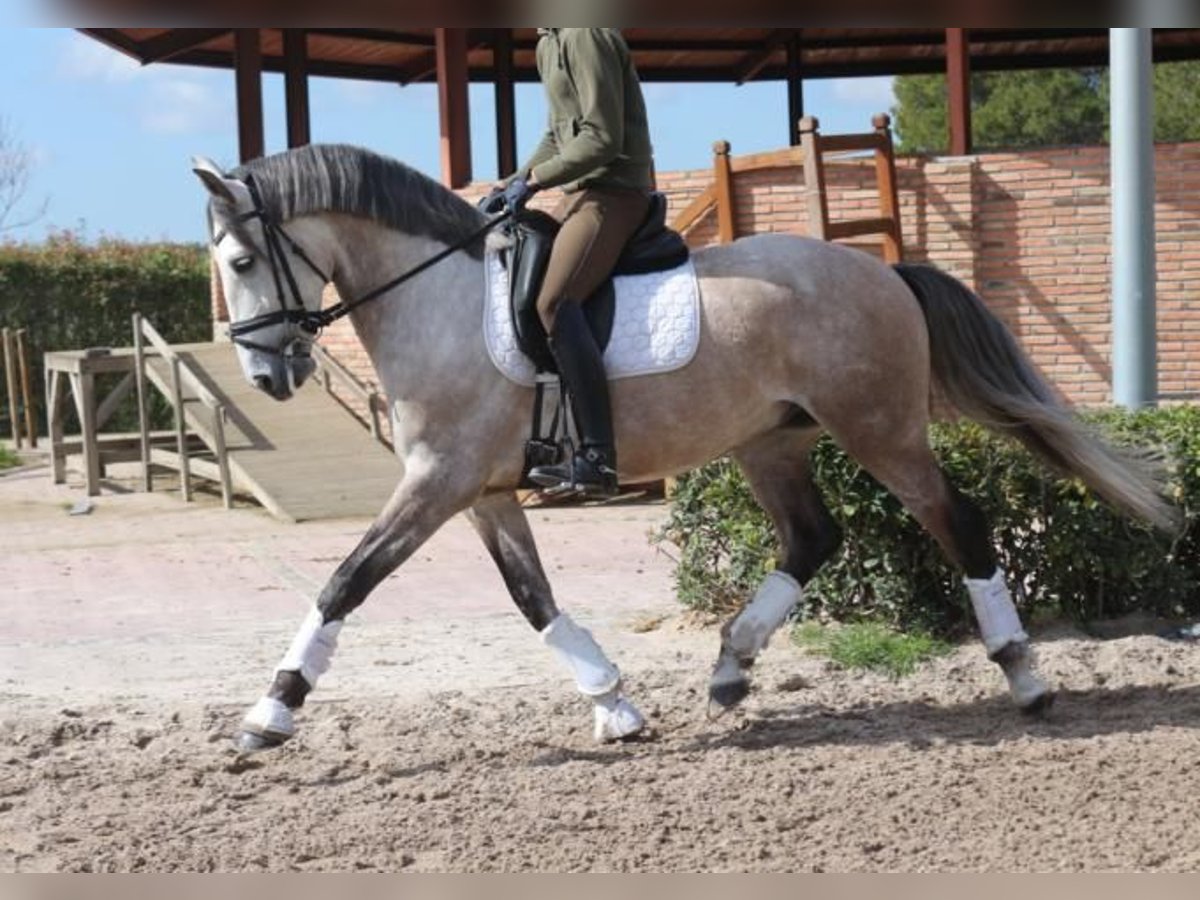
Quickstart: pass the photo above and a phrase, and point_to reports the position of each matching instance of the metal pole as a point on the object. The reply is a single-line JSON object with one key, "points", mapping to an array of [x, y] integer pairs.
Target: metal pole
{"points": [[1134, 338]]}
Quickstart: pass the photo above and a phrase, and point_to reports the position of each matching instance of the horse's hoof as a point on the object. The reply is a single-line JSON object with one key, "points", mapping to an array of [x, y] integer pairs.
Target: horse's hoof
{"points": [[726, 696], [1039, 706], [622, 722], [251, 742]]}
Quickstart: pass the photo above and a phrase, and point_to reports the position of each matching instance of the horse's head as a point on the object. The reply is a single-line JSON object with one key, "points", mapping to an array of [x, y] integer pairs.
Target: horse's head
{"points": [[272, 286]]}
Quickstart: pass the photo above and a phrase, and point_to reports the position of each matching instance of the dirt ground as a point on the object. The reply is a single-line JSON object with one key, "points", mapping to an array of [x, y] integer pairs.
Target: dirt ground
{"points": [[446, 739]]}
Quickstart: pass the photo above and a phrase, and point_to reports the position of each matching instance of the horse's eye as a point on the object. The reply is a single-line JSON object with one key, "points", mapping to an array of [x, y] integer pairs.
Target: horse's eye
{"points": [[243, 264]]}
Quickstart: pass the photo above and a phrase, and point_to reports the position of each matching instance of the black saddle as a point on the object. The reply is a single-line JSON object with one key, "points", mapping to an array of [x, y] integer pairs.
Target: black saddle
{"points": [[653, 248]]}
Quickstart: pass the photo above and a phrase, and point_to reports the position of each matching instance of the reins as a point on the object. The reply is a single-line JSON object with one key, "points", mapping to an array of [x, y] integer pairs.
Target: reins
{"points": [[312, 322]]}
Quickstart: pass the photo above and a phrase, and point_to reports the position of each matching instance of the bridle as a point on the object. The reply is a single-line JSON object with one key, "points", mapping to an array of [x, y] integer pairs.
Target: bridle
{"points": [[311, 322]]}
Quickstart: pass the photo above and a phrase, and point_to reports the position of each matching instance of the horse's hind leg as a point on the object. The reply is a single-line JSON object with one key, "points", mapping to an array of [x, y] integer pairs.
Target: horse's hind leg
{"points": [[903, 462], [778, 469], [502, 525]]}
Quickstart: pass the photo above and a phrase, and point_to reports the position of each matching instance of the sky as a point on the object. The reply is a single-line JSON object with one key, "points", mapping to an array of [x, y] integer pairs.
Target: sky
{"points": [[111, 141]]}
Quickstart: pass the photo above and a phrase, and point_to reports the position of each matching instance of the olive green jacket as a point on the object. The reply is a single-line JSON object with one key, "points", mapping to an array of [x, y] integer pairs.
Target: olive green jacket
{"points": [[598, 135]]}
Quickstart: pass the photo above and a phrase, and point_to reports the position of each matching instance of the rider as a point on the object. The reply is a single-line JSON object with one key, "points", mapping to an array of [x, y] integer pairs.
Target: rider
{"points": [[597, 149]]}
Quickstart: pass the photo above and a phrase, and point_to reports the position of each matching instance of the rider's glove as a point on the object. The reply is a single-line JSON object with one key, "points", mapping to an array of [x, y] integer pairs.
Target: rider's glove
{"points": [[493, 203], [517, 194]]}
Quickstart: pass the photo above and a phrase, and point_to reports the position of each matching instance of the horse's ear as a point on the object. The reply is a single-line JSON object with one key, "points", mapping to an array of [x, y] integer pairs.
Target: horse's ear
{"points": [[213, 179]]}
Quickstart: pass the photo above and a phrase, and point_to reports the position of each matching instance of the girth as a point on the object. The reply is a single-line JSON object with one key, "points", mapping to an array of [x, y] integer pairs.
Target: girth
{"points": [[653, 248]]}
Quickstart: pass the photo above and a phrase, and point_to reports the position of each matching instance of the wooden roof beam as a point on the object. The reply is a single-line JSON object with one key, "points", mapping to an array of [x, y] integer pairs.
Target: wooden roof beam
{"points": [[378, 35], [176, 41], [115, 38], [420, 69], [755, 62], [425, 66]]}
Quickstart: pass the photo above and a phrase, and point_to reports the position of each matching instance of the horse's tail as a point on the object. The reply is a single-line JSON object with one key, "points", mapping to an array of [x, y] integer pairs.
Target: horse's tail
{"points": [[988, 378]]}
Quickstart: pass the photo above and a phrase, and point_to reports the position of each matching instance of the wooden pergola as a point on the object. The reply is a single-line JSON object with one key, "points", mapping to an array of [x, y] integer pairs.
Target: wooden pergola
{"points": [[453, 57]]}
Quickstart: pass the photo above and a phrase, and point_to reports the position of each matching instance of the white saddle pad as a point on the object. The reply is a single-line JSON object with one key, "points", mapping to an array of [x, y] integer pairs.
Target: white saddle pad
{"points": [[656, 329]]}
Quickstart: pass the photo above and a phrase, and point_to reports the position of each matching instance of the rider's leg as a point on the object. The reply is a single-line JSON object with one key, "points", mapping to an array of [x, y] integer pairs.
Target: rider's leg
{"points": [[597, 224]]}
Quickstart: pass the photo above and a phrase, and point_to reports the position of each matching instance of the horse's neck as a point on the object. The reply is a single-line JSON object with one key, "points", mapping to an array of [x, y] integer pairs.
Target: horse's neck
{"points": [[425, 326]]}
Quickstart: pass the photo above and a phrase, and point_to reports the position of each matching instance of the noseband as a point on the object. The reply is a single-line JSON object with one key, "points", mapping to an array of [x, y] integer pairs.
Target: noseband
{"points": [[294, 314]]}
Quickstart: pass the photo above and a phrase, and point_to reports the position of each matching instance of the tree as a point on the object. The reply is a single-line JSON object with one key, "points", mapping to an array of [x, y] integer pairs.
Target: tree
{"points": [[1041, 108], [16, 169], [1177, 102]]}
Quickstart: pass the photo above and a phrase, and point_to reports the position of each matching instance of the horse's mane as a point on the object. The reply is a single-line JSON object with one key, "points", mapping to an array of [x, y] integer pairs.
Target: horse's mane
{"points": [[343, 179]]}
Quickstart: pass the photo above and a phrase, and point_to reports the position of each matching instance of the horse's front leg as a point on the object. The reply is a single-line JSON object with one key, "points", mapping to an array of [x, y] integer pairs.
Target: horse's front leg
{"points": [[420, 506], [502, 524]]}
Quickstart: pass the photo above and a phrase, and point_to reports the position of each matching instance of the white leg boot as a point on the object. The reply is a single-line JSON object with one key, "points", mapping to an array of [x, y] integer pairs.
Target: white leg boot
{"points": [[1007, 643], [596, 677], [311, 654], [747, 636]]}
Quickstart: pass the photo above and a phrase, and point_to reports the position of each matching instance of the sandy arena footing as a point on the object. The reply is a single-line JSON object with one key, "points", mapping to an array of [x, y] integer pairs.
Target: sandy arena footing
{"points": [[446, 738]]}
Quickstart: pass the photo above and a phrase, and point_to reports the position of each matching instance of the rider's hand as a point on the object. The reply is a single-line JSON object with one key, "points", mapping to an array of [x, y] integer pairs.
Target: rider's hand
{"points": [[493, 203], [517, 194]]}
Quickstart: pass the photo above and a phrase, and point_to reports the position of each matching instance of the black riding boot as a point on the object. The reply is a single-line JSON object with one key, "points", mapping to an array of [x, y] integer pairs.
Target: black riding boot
{"points": [[593, 469]]}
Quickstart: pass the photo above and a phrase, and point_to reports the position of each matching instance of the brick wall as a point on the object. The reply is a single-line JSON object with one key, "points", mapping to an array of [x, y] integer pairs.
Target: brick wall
{"points": [[1029, 232]]}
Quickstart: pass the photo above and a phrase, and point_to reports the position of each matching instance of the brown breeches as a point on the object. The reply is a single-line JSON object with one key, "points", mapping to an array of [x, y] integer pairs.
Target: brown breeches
{"points": [[596, 225]]}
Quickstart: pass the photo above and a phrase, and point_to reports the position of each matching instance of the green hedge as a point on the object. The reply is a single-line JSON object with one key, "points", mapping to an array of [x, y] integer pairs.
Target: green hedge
{"points": [[1067, 553], [71, 295]]}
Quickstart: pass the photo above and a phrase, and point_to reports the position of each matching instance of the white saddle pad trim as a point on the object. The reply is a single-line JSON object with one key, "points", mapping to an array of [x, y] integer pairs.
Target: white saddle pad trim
{"points": [[656, 329]]}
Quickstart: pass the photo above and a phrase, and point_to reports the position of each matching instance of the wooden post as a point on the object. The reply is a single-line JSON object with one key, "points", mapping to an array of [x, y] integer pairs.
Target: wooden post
{"points": [[85, 400], [248, 77], [222, 452], [723, 177], [889, 197], [219, 306], [54, 425], [373, 402], [139, 373], [454, 106], [958, 77], [181, 441], [27, 397], [10, 378], [506, 103], [295, 63], [814, 178], [795, 84]]}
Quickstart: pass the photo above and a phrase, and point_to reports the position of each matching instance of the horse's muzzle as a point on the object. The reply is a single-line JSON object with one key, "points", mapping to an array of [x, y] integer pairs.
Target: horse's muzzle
{"points": [[276, 387]]}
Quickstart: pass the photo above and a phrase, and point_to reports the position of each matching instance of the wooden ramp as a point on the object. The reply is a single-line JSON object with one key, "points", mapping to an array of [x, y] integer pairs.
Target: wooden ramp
{"points": [[303, 459]]}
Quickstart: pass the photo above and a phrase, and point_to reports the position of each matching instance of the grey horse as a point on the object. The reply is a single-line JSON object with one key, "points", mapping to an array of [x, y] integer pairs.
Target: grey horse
{"points": [[799, 338]]}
